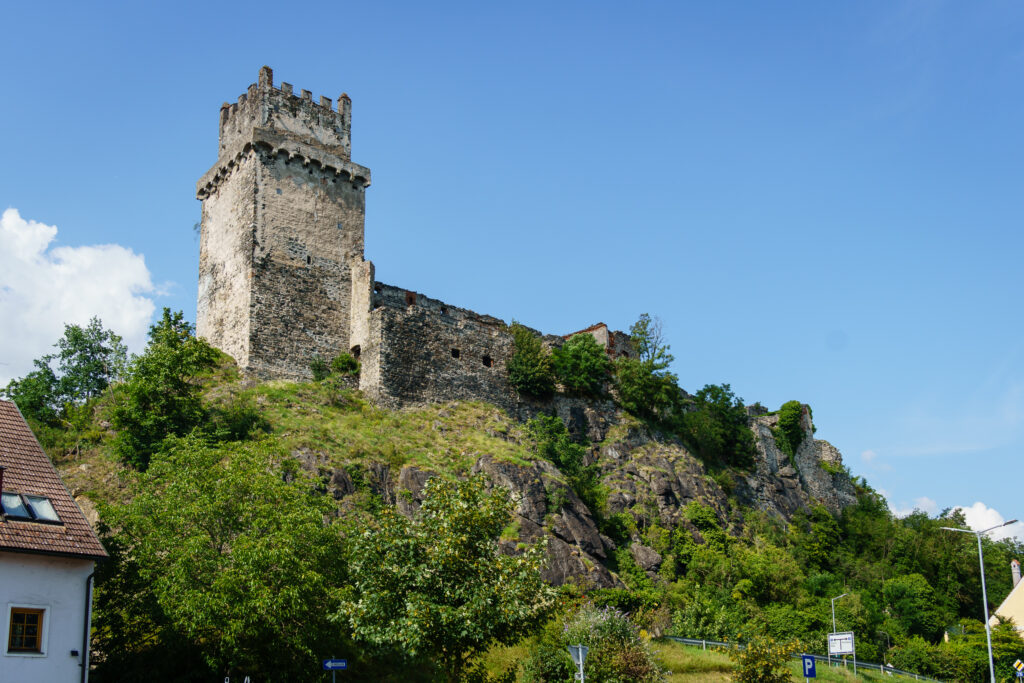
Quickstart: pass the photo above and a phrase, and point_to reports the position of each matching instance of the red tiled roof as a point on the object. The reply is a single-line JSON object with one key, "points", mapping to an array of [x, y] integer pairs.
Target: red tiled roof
{"points": [[28, 470]]}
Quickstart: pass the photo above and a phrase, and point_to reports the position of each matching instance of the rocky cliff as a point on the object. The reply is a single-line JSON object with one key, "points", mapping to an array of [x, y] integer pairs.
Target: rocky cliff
{"points": [[647, 476]]}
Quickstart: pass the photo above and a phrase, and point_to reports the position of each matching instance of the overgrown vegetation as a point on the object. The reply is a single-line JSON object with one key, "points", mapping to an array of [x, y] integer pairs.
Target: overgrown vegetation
{"points": [[228, 554], [581, 366], [530, 369]]}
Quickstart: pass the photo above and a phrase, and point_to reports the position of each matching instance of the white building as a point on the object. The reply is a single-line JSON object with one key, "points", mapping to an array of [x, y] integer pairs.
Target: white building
{"points": [[47, 555]]}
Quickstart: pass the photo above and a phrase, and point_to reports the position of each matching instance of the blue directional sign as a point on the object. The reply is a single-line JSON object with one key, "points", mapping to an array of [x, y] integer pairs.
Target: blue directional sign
{"points": [[335, 664], [809, 671]]}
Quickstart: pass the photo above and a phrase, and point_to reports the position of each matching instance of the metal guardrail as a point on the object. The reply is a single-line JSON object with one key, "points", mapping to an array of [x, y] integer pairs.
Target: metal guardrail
{"points": [[705, 644]]}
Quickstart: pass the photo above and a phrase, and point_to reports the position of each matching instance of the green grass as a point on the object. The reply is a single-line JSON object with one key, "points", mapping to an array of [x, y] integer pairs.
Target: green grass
{"points": [[689, 664]]}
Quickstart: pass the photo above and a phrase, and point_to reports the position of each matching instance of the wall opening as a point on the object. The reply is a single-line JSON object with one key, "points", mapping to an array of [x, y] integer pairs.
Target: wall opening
{"points": [[309, 260], [455, 353], [410, 298], [487, 361], [356, 351]]}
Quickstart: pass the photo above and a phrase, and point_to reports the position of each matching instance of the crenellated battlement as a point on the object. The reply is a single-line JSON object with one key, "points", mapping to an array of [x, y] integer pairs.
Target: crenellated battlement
{"points": [[298, 117]]}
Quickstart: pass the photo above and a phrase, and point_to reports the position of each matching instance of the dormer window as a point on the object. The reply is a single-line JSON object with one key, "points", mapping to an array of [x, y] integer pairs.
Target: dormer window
{"points": [[29, 507]]}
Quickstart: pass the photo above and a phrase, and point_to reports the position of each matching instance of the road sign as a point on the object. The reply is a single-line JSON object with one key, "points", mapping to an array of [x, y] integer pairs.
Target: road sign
{"points": [[809, 671], [579, 655], [840, 643], [335, 664], [1018, 665]]}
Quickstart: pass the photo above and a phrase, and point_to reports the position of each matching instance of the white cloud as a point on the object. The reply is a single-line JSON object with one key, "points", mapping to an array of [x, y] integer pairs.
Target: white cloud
{"points": [[42, 288], [868, 455], [980, 516]]}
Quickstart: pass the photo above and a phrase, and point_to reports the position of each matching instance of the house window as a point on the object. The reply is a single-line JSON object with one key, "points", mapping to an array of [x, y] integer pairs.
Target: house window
{"points": [[26, 631], [35, 508]]}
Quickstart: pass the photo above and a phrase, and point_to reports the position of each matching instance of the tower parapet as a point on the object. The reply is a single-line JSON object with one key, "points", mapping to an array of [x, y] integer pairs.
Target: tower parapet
{"points": [[290, 115]]}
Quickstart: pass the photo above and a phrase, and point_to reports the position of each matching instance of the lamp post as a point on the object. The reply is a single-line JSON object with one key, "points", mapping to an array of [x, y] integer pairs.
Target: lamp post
{"points": [[984, 595], [888, 647], [834, 623]]}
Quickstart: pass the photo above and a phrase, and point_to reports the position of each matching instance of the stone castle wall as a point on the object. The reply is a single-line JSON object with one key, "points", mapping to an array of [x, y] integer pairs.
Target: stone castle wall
{"points": [[422, 350], [282, 274]]}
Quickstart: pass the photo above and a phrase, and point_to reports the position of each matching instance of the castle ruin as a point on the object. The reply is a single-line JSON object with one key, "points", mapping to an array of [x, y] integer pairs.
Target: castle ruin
{"points": [[282, 273]]}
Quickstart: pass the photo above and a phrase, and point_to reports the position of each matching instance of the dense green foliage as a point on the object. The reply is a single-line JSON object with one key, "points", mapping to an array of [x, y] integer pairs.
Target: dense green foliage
{"points": [[763, 660], [618, 652], [88, 359], [554, 444], [582, 366], [716, 428], [217, 557], [530, 369], [789, 434], [436, 586], [159, 397], [645, 386]]}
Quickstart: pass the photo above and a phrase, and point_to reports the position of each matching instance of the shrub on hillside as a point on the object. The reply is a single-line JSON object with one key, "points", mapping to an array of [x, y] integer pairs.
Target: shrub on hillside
{"points": [[345, 364], [618, 652], [763, 661], [529, 369], [582, 366]]}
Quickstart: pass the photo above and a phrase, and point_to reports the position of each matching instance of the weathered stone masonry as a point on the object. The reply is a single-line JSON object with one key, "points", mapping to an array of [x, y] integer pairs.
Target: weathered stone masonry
{"points": [[282, 275]]}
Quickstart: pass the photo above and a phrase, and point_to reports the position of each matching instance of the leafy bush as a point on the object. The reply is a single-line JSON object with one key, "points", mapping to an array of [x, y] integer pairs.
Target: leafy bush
{"points": [[530, 368], [582, 366], [763, 661], [555, 445], [716, 429], [789, 434], [320, 368], [617, 651], [345, 364]]}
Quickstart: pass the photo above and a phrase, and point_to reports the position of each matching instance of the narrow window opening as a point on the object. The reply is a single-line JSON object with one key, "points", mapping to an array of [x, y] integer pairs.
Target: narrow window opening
{"points": [[455, 353], [487, 361], [410, 298], [309, 260], [355, 351]]}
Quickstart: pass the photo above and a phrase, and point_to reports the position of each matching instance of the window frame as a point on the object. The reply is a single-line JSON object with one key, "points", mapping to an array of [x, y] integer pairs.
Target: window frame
{"points": [[44, 629], [29, 506]]}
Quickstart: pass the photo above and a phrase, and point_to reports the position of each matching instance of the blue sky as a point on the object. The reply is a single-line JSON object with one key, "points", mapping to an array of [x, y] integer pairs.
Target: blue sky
{"points": [[821, 201]]}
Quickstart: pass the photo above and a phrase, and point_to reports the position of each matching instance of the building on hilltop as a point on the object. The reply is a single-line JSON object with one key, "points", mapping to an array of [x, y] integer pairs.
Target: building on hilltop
{"points": [[47, 555], [282, 273]]}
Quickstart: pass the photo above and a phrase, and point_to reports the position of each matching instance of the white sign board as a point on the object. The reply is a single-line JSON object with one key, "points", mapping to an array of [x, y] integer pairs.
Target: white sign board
{"points": [[840, 643]]}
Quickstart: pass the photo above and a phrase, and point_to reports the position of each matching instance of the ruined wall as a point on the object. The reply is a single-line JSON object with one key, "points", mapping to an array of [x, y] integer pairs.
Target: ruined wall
{"points": [[422, 350], [283, 212]]}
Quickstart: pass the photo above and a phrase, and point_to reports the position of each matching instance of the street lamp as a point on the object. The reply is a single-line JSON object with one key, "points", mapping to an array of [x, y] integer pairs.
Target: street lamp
{"points": [[834, 623], [984, 595], [888, 645]]}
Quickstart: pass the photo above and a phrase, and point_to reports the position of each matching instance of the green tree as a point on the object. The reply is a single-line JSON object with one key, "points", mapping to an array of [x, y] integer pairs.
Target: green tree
{"points": [[582, 366], [646, 388], [911, 602], [160, 397], [437, 585], [88, 360], [220, 557], [530, 368], [790, 434], [716, 428], [36, 394]]}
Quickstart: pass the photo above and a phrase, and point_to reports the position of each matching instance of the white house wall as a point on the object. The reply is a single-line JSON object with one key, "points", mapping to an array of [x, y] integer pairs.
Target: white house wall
{"points": [[58, 585]]}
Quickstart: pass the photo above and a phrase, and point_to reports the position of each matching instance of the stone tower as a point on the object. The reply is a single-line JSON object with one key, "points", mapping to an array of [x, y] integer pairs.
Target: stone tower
{"points": [[282, 232]]}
